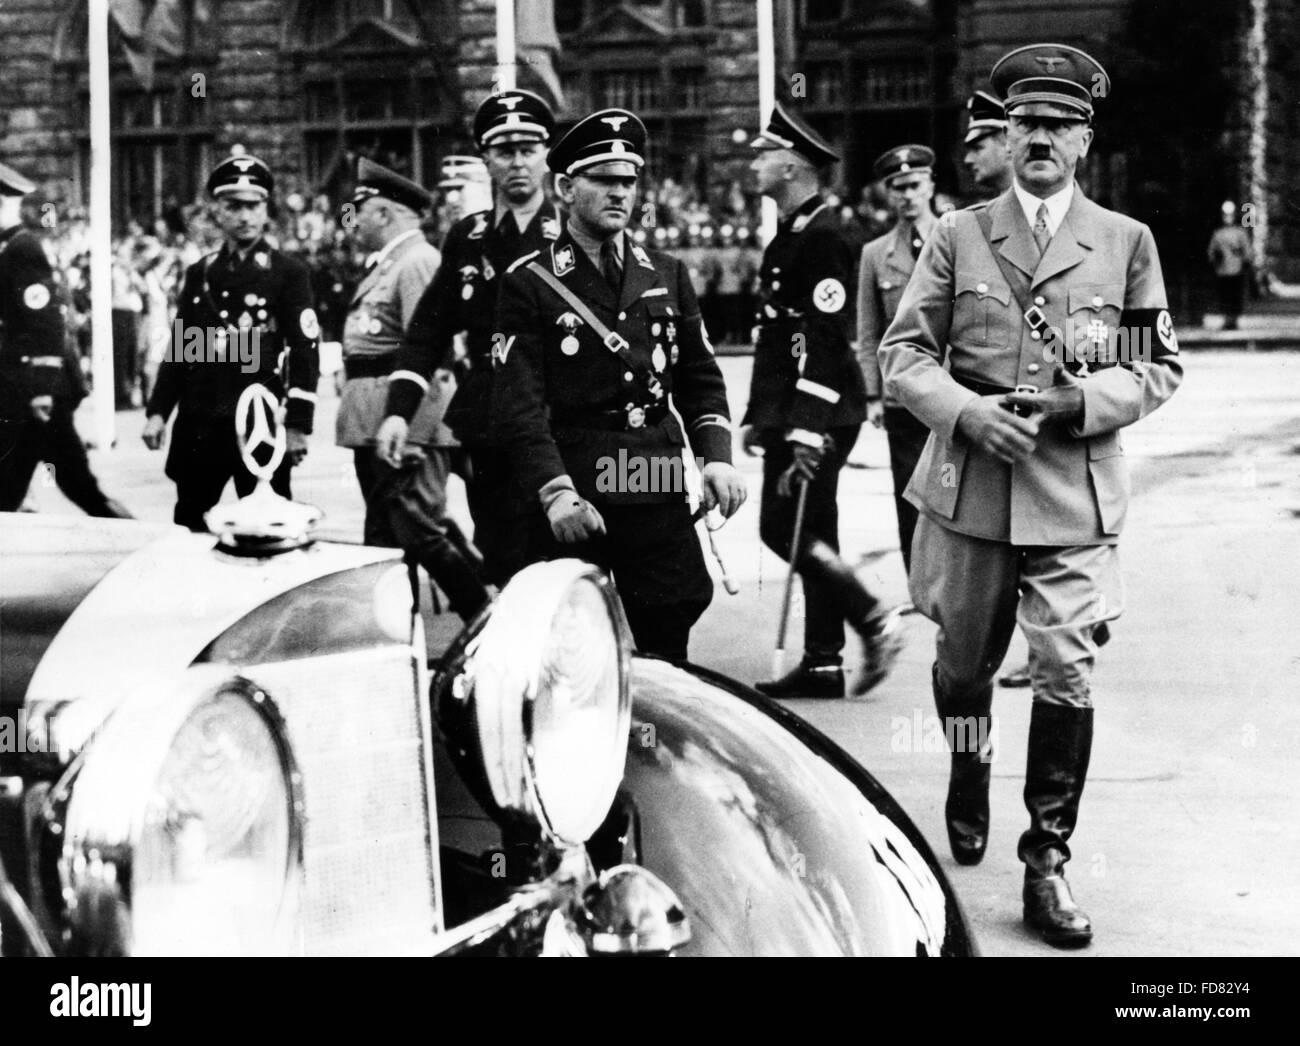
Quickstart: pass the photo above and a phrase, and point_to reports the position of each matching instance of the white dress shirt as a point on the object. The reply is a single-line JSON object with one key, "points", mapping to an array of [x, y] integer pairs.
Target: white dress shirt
{"points": [[1057, 205]]}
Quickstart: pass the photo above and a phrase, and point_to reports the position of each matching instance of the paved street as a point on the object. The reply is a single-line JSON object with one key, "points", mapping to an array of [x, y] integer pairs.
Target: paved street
{"points": [[1188, 839]]}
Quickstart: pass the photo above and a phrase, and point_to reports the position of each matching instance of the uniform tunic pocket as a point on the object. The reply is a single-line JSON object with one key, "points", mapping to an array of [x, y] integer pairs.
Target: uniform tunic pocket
{"points": [[980, 313]]}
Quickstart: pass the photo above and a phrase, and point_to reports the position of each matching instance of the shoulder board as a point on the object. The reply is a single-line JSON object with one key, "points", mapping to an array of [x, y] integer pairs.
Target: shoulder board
{"points": [[522, 260], [979, 206]]}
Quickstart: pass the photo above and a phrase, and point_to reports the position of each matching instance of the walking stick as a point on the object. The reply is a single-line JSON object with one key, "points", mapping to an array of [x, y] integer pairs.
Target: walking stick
{"points": [[778, 655]]}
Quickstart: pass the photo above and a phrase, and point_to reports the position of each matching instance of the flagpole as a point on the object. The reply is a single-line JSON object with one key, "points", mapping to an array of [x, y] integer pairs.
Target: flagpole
{"points": [[101, 248], [766, 99], [505, 78]]}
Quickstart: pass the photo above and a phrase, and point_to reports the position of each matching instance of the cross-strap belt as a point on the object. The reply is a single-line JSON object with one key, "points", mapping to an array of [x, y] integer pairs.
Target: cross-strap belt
{"points": [[612, 340]]}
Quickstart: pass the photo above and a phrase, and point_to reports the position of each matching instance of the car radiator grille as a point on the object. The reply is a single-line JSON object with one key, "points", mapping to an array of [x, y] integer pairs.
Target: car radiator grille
{"points": [[359, 731]]}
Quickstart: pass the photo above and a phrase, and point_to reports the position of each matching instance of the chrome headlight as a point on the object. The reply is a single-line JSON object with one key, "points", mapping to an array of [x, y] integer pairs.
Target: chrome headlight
{"points": [[183, 827], [551, 688]]}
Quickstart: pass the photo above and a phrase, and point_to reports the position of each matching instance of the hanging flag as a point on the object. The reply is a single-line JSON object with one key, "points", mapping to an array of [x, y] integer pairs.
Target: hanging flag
{"points": [[153, 27], [538, 43]]}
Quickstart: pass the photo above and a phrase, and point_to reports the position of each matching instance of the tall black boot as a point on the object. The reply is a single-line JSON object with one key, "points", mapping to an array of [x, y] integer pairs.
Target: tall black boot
{"points": [[455, 569], [967, 728], [1060, 744], [881, 630]]}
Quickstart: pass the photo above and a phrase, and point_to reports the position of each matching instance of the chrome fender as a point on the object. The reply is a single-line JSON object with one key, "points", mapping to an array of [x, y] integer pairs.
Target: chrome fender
{"points": [[775, 840]]}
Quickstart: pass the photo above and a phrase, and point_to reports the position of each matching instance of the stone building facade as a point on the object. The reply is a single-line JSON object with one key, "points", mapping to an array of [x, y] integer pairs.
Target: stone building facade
{"points": [[1205, 104]]}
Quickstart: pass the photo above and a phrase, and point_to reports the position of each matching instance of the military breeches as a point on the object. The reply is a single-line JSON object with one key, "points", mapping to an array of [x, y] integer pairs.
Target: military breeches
{"points": [[406, 509], [976, 591], [823, 614], [654, 554]]}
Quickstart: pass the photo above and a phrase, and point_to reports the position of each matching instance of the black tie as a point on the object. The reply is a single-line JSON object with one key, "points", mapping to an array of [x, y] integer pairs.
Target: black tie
{"points": [[609, 266]]}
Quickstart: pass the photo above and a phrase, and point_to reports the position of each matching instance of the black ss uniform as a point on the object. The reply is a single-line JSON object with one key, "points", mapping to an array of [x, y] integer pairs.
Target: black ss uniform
{"points": [[264, 291], [807, 382], [564, 403], [463, 297], [36, 360]]}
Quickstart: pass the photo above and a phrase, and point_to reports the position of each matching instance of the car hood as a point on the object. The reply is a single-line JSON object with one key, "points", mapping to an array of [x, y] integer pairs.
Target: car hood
{"points": [[47, 566]]}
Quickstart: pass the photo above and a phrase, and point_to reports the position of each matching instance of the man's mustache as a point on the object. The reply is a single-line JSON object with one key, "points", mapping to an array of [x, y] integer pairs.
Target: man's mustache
{"points": [[1040, 152]]}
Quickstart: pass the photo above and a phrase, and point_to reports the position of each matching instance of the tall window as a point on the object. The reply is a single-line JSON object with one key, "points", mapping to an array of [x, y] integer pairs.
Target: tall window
{"points": [[372, 83], [896, 83], [161, 135]]}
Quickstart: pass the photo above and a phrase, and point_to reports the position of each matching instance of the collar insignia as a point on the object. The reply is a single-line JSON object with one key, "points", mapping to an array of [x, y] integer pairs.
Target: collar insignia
{"points": [[562, 260]]}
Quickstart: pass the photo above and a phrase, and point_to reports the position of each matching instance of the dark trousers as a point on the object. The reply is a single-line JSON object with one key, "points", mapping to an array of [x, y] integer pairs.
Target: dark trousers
{"points": [[25, 443], [654, 554], [1232, 293], [907, 438], [126, 338], [823, 629], [406, 508], [204, 457], [500, 531]]}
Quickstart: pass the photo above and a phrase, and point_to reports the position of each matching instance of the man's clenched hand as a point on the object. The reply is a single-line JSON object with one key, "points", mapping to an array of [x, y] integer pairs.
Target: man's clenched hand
{"points": [[155, 430], [390, 440], [992, 427]]}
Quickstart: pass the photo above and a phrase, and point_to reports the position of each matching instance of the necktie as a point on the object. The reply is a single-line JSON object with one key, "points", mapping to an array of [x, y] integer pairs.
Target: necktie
{"points": [[609, 266], [1042, 236]]}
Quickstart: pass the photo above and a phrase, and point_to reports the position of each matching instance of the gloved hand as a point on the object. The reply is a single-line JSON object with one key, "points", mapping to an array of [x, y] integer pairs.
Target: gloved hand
{"points": [[573, 519], [751, 441], [1063, 400], [802, 469]]}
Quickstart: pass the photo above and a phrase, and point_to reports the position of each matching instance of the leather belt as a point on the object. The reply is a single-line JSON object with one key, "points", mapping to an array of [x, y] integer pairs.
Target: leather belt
{"points": [[980, 388], [370, 366], [624, 419]]}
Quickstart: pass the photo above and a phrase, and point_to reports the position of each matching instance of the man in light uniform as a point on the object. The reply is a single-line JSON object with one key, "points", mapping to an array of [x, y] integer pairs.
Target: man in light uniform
{"points": [[405, 497], [907, 173], [1023, 487]]}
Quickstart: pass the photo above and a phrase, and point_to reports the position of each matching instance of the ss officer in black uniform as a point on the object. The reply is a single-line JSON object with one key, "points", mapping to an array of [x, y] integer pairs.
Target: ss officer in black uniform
{"points": [[807, 402], [40, 380], [245, 315], [512, 129], [597, 340]]}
